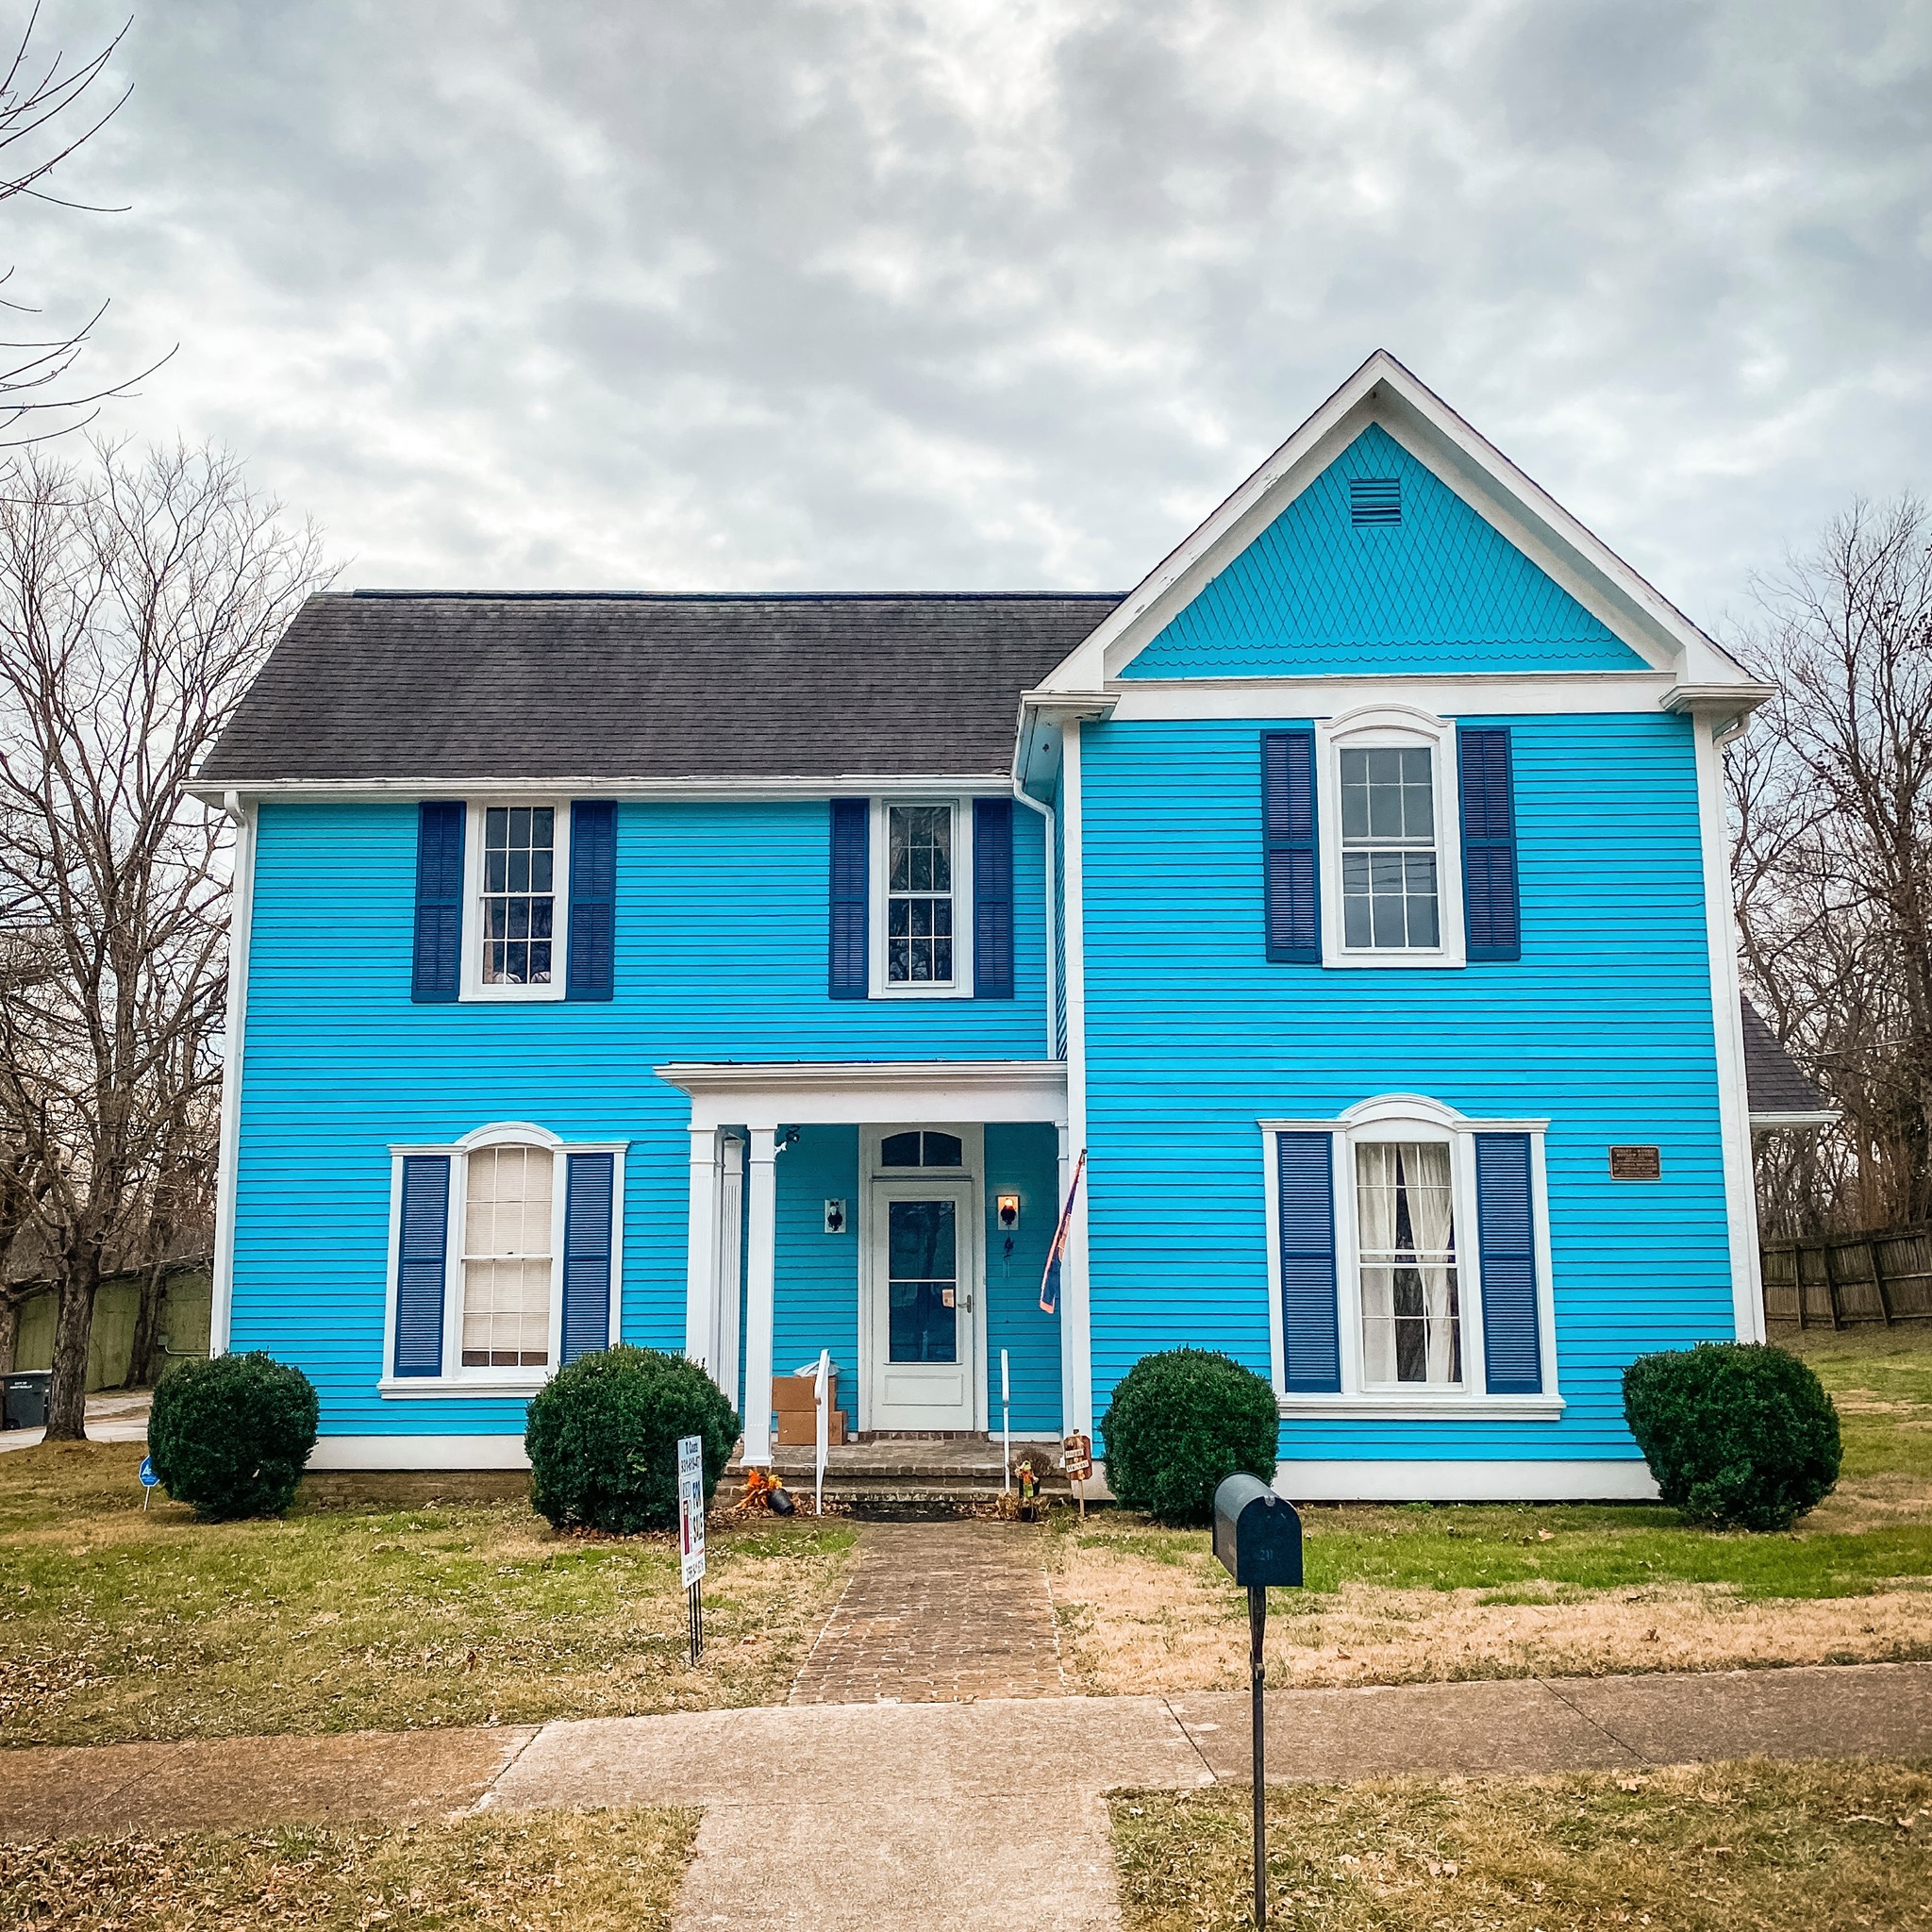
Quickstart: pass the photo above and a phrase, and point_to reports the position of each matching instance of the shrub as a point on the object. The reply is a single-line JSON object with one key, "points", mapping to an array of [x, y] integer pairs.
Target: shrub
{"points": [[1738, 1435], [603, 1439], [229, 1436], [1180, 1423]]}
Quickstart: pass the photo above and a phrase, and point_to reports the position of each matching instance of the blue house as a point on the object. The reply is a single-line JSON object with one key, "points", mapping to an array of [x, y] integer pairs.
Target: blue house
{"points": [[1337, 922]]}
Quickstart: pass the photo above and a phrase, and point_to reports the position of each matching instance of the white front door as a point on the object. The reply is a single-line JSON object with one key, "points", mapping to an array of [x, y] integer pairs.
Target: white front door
{"points": [[923, 1291]]}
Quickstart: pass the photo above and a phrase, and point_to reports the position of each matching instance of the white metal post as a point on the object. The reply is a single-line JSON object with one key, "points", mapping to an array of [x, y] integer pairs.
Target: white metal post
{"points": [[821, 1390], [1007, 1420]]}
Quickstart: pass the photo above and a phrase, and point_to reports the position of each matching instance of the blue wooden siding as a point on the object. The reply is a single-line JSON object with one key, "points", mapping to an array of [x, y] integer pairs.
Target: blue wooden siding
{"points": [[721, 954], [1604, 1026], [1312, 593], [1021, 1158]]}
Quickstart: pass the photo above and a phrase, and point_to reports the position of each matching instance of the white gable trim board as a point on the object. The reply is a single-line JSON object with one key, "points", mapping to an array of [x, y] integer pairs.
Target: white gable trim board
{"points": [[1383, 392]]}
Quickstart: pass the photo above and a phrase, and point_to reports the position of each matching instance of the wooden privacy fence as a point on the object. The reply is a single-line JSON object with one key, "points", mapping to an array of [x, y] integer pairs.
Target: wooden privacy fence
{"points": [[1844, 1281]]}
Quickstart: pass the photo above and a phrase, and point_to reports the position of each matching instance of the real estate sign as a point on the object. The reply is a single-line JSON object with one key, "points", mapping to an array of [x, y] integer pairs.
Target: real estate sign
{"points": [[690, 1507]]}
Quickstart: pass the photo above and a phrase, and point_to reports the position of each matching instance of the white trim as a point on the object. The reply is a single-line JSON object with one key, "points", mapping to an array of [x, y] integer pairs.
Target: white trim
{"points": [[701, 1272], [1382, 1406], [497, 789], [418, 1452], [854, 1094], [1426, 1119], [234, 1051], [730, 1268], [1396, 726], [760, 1289], [878, 864], [456, 1382], [1773, 1122], [1448, 694], [1727, 1020], [1076, 1323], [1383, 392], [474, 985], [1395, 1481]]}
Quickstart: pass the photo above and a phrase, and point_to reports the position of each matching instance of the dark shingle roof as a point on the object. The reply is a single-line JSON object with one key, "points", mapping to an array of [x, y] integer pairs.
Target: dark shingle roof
{"points": [[392, 684], [1772, 1082]]}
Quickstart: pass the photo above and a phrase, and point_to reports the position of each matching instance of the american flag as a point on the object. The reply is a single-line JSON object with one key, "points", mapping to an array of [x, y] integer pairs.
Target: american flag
{"points": [[1050, 1281]]}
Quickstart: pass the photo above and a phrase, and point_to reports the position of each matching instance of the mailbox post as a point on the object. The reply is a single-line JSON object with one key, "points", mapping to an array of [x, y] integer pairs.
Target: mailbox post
{"points": [[1257, 1538]]}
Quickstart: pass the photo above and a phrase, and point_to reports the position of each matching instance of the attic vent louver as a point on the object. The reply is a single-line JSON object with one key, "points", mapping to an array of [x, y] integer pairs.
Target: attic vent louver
{"points": [[1374, 503]]}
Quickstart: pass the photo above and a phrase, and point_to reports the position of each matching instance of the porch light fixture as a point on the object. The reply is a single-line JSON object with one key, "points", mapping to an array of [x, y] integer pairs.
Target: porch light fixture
{"points": [[1010, 1212], [835, 1217]]}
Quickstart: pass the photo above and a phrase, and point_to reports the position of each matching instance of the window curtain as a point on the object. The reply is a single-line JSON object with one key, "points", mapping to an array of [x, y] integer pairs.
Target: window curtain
{"points": [[1412, 1300]]}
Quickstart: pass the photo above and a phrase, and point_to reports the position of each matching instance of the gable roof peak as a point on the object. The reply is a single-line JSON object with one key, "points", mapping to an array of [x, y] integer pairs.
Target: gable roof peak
{"points": [[1384, 391]]}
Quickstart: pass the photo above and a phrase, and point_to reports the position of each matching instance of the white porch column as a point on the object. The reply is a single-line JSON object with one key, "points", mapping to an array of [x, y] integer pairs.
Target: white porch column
{"points": [[760, 1283], [701, 1252]]}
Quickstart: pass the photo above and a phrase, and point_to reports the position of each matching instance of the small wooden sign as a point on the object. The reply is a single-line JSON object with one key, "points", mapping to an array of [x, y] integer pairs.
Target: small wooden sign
{"points": [[1635, 1165], [1076, 1457]]}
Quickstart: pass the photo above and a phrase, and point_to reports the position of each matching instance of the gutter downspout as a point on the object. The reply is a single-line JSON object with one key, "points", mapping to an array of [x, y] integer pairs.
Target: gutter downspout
{"points": [[235, 1024]]}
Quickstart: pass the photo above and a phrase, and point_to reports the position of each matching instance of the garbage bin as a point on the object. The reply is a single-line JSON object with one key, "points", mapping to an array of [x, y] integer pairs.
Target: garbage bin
{"points": [[24, 1399]]}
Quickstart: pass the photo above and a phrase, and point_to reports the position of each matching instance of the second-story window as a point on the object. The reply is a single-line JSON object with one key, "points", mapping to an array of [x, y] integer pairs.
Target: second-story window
{"points": [[1388, 886], [519, 894], [919, 894]]}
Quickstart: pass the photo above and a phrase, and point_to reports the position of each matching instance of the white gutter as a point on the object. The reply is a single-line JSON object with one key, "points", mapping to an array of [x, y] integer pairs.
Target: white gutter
{"points": [[235, 1025]]}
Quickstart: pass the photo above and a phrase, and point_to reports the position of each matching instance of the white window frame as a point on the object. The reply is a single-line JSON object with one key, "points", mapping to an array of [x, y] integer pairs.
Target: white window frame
{"points": [[1411, 1117], [474, 986], [455, 1380], [1394, 725], [879, 863]]}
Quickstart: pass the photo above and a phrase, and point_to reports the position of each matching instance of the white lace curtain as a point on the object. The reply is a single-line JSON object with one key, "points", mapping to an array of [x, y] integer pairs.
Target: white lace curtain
{"points": [[1408, 1287]]}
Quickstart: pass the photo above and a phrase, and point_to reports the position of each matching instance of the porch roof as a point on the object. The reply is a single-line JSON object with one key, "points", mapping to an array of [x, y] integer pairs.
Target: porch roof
{"points": [[767, 1094]]}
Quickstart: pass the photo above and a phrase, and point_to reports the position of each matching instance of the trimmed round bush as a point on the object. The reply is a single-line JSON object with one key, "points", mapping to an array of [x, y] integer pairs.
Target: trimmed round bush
{"points": [[1737, 1433], [604, 1433], [1180, 1423], [229, 1436]]}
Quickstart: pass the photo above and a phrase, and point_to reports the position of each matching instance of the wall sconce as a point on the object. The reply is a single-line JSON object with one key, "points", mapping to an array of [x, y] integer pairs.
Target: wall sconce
{"points": [[835, 1217], [1008, 1212]]}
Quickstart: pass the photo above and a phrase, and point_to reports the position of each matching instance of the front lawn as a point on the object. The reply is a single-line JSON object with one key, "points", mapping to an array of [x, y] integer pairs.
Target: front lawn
{"points": [[1784, 1847], [378, 1604], [1401, 1593], [600, 1872]]}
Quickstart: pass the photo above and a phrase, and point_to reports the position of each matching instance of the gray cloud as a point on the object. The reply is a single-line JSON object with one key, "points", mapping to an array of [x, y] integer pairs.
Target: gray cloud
{"points": [[951, 293]]}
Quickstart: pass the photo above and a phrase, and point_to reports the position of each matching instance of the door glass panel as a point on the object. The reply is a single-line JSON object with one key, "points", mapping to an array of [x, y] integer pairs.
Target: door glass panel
{"points": [[922, 1282]]}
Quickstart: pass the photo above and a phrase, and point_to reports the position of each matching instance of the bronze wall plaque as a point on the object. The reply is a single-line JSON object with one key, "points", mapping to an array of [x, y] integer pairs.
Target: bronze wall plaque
{"points": [[1635, 1165]]}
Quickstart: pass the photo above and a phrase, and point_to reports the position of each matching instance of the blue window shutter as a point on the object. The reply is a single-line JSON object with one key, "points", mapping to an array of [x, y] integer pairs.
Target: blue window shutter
{"points": [[421, 1264], [1489, 912], [848, 977], [591, 972], [587, 1218], [438, 951], [1312, 1340], [1506, 1241], [1289, 891], [992, 898]]}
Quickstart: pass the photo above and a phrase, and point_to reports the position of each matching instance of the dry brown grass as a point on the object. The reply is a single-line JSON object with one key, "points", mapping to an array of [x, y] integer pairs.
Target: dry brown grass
{"points": [[1780, 1847], [597, 1871], [1132, 1624]]}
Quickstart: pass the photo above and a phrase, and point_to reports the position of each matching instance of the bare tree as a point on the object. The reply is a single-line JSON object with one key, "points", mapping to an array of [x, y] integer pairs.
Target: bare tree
{"points": [[138, 596], [1832, 864]]}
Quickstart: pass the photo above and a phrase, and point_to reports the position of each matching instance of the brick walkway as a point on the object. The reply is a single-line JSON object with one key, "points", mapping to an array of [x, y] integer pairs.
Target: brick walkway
{"points": [[938, 1613]]}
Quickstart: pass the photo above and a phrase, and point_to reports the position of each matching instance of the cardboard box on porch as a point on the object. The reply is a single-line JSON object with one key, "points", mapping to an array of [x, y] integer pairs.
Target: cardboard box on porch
{"points": [[792, 1397]]}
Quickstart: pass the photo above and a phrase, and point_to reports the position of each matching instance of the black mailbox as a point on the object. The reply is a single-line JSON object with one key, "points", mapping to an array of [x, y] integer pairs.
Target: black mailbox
{"points": [[1258, 1536]]}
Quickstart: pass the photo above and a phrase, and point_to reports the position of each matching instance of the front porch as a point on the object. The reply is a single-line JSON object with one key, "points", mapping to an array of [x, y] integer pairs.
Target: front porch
{"points": [[899, 1217]]}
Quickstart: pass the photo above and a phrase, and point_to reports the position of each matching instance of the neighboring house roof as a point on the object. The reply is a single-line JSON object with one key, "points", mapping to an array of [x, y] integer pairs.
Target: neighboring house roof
{"points": [[395, 685], [1779, 1094]]}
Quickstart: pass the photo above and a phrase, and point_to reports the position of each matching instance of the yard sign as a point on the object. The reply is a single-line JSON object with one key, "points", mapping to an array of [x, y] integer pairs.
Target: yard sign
{"points": [[690, 1507]]}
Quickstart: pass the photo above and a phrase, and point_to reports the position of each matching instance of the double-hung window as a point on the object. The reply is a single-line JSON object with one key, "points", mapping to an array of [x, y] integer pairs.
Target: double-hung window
{"points": [[922, 941], [519, 866], [1409, 1263], [508, 1260], [1392, 886]]}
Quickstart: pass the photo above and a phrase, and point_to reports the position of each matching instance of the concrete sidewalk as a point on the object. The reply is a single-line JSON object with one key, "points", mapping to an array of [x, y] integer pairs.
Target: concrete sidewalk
{"points": [[976, 1816]]}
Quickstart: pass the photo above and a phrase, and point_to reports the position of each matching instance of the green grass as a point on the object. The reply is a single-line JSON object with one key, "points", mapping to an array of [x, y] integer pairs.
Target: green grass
{"points": [[374, 1606], [1780, 1847], [603, 1872], [1883, 1382]]}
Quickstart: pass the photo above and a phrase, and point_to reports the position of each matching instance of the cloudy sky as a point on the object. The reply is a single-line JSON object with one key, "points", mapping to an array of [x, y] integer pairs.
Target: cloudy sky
{"points": [[998, 293]]}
